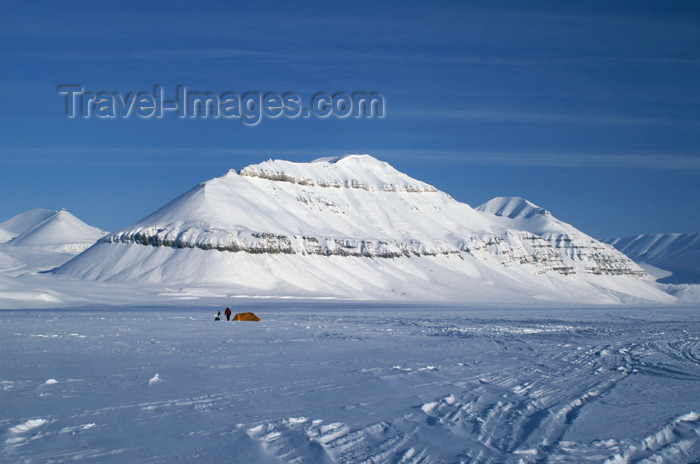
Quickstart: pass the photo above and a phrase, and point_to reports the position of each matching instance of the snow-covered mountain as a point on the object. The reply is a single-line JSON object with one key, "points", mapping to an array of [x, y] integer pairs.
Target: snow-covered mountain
{"points": [[42, 239], [59, 230], [355, 227], [23, 222], [575, 247], [677, 253]]}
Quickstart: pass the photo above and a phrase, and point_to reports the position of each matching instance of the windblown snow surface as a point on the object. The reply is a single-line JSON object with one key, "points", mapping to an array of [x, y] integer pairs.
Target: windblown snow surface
{"points": [[352, 383]]}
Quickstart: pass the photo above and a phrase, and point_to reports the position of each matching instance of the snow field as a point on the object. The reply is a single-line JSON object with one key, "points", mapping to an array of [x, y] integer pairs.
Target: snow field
{"points": [[323, 382]]}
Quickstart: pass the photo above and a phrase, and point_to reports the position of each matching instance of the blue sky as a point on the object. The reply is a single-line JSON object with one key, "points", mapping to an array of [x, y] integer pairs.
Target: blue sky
{"points": [[589, 109]]}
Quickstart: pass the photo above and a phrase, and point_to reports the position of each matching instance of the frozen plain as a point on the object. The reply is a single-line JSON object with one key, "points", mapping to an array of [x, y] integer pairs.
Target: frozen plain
{"points": [[338, 382]]}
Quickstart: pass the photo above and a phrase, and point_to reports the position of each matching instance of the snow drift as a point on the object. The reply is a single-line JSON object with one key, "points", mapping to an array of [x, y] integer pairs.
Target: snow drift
{"points": [[355, 227]]}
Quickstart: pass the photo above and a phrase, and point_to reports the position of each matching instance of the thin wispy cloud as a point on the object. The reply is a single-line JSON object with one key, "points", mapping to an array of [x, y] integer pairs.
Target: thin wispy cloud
{"points": [[146, 54], [340, 56], [151, 156], [486, 115], [651, 161], [179, 156]]}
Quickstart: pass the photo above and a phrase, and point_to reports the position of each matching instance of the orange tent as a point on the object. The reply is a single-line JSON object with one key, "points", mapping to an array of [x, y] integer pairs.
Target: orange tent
{"points": [[246, 317]]}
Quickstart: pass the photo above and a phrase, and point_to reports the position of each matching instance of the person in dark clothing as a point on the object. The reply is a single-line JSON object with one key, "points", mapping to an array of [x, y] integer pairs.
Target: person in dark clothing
{"points": [[228, 314], [218, 316]]}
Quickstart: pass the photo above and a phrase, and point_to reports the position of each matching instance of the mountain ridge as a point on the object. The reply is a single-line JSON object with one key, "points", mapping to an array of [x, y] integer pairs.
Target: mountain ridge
{"points": [[348, 171], [674, 252], [300, 227]]}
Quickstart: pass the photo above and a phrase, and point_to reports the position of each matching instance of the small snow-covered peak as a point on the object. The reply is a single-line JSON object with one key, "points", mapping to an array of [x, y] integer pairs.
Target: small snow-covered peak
{"points": [[349, 171], [512, 207], [23, 222], [57, 228], [519, 213]]}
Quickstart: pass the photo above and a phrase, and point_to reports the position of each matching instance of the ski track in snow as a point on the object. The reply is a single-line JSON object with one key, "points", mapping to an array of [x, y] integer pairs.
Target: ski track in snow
{"points": [[359, 384]]}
